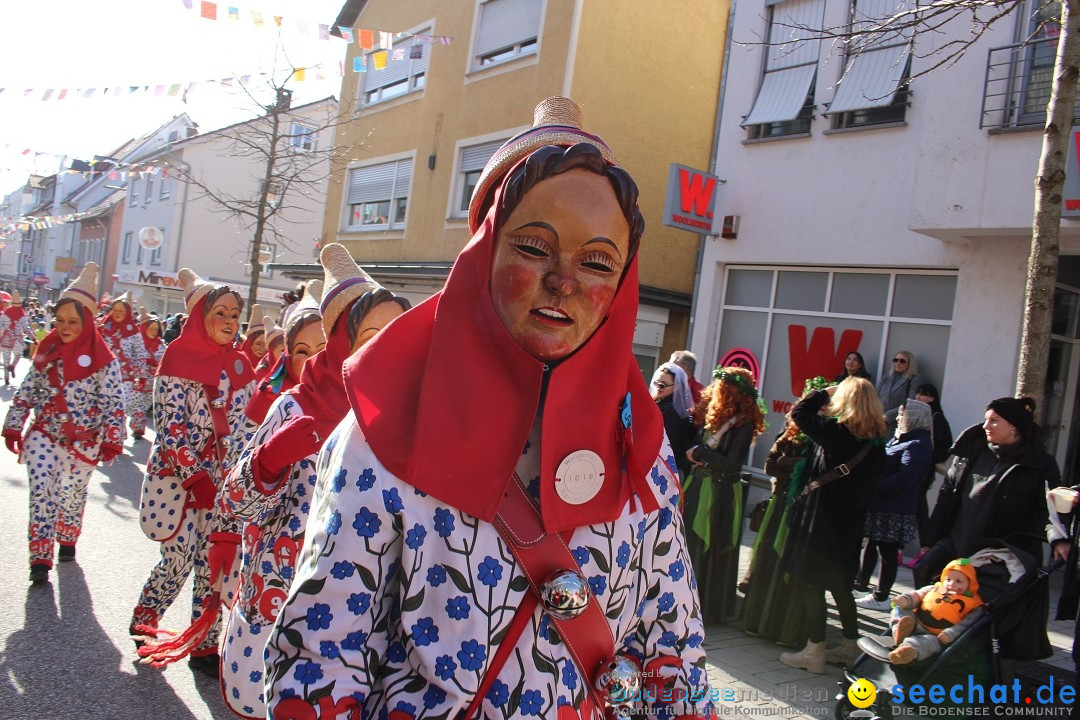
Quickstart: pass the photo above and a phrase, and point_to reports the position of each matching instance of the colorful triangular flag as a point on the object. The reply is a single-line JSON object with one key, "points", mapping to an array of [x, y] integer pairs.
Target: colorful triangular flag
{"points": [[416, 52], [379, 58], [346, 34], [208, 10], [366, 39], [359, 64]]}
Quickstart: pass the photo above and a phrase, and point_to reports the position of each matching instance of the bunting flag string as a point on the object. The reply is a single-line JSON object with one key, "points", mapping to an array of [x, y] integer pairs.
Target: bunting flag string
{"points": [[155, 90]]}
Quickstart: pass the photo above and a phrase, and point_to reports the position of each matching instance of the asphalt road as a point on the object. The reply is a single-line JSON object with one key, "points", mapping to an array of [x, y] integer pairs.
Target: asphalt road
{"points": [[64, 646]]}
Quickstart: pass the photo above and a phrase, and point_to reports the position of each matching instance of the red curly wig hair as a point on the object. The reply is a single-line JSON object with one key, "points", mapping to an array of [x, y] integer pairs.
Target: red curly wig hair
{"points": [[731, 394]]}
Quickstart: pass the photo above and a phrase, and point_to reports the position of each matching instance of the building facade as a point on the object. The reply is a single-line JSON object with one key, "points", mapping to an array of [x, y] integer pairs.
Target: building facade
{"points": [[195, 210], [880, 215], [429, 121]]}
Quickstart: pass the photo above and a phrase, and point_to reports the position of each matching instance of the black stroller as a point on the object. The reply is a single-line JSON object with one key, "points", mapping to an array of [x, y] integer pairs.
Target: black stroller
{"points": [[1016, 597]]}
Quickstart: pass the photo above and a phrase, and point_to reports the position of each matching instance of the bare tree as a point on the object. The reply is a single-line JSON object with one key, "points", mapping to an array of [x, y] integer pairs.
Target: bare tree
{"points": [[289, 164], [954, 26]]}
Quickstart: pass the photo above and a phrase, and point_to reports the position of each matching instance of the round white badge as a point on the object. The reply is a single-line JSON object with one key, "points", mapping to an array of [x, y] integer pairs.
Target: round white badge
{"points": [[239, 366], [579, 477], [83, 360]]}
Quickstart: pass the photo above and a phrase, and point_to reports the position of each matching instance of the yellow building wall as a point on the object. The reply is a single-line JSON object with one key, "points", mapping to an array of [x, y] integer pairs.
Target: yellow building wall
{"points": [[455, 104], [647, 80]]}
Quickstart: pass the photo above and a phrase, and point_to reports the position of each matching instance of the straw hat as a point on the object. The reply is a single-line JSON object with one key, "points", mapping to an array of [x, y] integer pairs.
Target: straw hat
{"points": [[273, 330], [343, 280], [84, 287], [255, 321], [556, 121], [308, 304], [195, 288], [16, 298], [124, 297]]}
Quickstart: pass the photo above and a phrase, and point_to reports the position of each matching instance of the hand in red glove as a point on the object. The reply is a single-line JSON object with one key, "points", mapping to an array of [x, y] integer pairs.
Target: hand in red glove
{"points": [[292, 442], [108, 451], [13, 440], [202, 489]]}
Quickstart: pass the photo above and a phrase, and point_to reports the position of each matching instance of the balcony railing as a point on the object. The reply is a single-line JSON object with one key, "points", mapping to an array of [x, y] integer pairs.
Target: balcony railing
{"points": [[1017, 86]]}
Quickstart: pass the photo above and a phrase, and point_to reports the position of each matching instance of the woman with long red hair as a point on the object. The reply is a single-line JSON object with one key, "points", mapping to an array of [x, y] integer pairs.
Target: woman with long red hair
{"points": [[730, 417], [74, 392]]}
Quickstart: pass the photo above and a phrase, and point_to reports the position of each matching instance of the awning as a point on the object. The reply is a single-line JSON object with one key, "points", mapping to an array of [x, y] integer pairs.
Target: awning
{"points": [[871, 79], [782, 96]]}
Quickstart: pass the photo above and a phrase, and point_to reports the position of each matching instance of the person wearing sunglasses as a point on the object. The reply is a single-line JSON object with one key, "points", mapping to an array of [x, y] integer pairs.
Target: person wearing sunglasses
{"points": [[671, 391], [897, 385]]}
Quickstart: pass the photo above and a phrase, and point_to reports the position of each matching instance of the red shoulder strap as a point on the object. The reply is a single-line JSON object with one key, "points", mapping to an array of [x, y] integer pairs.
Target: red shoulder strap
{"points": [[540, 554]]}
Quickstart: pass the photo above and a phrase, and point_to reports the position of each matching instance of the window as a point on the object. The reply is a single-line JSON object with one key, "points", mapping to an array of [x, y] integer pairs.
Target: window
{"points": [[133, 192], [473, 160], [125, 255], [303, 138], [405, 70], [139, 255], [785, 100], [378, 196], [155, 256], [507, 29], [873, 87], [166, 187], [149, 189]]}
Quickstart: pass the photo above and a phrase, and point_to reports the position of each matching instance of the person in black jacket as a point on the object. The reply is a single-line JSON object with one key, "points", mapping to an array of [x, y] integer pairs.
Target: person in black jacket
{"points": [[941, 435], [826, 521], [671, 391], [996, 487]]}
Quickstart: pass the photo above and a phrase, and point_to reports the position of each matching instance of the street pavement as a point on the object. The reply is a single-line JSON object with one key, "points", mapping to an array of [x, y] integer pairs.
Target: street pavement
{"points": [[65, 651]]}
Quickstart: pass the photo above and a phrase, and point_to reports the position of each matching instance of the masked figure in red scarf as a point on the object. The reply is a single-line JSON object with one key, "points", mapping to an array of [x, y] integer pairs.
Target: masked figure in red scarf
{"points": [[121, 333], [254, 345], [14, 329], [495, 529], [303, 338], [202, 387], [141, 388], [74, 391]]}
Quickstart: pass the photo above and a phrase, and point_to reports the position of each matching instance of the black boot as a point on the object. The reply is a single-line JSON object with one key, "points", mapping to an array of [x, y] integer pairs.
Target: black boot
{"points": [[206, 664], [39, 573], [66, 553]]}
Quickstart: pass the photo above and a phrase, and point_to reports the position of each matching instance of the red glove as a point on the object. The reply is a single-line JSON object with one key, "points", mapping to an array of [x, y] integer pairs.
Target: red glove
{"points": [[292, 442], [13, 439], [108, 451], [202, 490]]}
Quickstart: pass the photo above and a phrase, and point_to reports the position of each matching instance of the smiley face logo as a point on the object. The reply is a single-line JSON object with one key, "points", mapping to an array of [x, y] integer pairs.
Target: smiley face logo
{"points": [[862, 693]]}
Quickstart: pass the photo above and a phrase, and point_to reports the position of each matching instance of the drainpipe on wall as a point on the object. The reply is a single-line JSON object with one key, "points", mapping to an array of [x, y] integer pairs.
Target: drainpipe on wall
{"points": [[704, 238]]}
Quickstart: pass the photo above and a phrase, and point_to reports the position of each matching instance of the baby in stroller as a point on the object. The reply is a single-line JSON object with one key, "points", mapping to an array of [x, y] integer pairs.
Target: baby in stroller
{"points": [[926, 619]]}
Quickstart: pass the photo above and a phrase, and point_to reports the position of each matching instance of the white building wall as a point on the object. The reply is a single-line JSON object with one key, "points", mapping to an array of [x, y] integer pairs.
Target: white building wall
{"points": [[937, 193]]}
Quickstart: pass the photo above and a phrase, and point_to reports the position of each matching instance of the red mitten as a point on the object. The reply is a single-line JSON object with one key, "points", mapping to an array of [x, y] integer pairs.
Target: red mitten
{"points": [[292, 442], [13, 439], [108, 451], [202, 489]]}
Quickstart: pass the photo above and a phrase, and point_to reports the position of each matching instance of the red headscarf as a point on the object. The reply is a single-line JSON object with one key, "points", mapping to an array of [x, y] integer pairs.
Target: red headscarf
{"points": [[455, 419], [124, 328], [150, 343], [193, 355], [16, 313], [280, 379], [248, 347], [321, 392], [82, 357]]}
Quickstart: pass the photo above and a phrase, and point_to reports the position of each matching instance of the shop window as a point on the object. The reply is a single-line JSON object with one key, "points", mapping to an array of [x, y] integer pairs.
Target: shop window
{"points": [[802, 290], [749, 288], [924, 296], [859, 294]]}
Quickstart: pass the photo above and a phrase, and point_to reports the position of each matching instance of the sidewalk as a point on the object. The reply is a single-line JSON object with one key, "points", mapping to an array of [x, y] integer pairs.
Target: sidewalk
{"points": [[750, 679]]}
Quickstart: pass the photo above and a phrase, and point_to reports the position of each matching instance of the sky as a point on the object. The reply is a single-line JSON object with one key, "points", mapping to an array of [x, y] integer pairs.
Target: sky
{"points": [[96, 44]]}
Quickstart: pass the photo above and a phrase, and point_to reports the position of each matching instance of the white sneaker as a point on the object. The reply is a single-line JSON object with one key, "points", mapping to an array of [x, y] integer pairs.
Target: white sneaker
{"points": [[869, 602]]}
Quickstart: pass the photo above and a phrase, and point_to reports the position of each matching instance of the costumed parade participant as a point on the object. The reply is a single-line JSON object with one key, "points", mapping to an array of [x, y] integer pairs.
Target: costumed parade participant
{"points": [[122, 335], [14, 329], [74, 392], [202, 387], [254, 345], [272, 485], [303, 338], [143, 383], [731, 418], [440, 560], [275, 345]]}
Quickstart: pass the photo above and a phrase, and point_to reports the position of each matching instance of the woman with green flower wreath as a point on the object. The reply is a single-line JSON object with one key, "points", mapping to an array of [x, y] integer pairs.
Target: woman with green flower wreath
{"points": [[731, 417], [773, 607]]}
